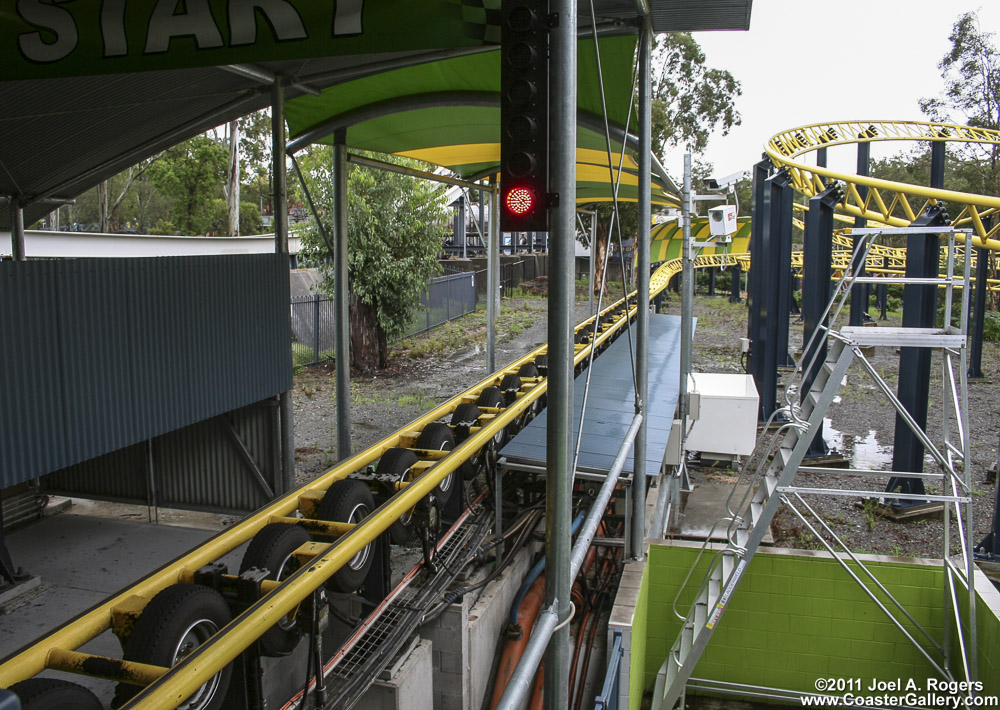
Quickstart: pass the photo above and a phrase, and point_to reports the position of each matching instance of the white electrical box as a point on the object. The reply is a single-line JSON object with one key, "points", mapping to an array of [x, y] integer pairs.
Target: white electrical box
{"points": [[722, 220], [727, 425]]}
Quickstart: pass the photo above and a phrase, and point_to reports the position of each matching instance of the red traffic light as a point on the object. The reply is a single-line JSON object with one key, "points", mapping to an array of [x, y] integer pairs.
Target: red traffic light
{"points": [[520, 201]]}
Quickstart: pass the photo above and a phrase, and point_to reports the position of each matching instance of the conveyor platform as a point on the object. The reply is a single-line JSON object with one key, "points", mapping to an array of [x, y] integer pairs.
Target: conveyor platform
{"points": [[610, 406]]}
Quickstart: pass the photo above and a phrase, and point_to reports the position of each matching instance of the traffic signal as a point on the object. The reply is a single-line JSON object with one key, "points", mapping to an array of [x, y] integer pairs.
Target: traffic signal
{"points": [[524, 114]]}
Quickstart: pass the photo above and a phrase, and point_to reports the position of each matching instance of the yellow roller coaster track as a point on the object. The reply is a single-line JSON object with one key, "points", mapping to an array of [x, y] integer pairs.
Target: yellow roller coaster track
{"points": [[886, 201]]}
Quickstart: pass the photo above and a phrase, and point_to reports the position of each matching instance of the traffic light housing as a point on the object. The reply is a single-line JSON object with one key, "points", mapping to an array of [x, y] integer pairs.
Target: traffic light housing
{"points": [[524, 114]]}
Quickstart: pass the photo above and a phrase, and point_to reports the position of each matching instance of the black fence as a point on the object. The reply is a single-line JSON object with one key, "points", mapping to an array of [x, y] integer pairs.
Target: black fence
{"points": [[314, 319], [515, 273]]}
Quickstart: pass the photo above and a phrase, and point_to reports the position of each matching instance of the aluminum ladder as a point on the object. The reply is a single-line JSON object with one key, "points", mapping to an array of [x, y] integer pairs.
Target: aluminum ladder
{"points": [[748, 526]]}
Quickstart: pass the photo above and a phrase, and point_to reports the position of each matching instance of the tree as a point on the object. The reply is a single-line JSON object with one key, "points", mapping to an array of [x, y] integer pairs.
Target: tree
{"points": [[396, 225], [191, 174], [971, 73], [690, 100]]}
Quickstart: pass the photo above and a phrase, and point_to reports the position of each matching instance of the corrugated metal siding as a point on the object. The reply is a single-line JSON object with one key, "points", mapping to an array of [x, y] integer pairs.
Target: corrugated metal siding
{"points": [[196, 467], [96, 355]]}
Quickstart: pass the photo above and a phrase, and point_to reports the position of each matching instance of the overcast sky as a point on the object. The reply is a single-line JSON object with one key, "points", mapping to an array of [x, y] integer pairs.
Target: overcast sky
{"points": [[805, 61]]}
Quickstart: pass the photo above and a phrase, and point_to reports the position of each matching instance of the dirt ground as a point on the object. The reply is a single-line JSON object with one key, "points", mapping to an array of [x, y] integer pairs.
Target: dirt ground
{"points": [[860, 424]]}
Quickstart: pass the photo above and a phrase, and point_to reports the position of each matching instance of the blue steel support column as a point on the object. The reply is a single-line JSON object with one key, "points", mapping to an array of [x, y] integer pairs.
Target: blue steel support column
{"points": [[342, 341], [978, 313], [919, 311], [859, 292], [642, 291], [735, 275], [782, 199], [559, 433], [818, 250], [757, 279]]}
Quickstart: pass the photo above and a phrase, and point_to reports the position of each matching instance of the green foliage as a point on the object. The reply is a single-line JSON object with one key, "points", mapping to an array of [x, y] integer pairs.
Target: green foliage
{"points": [[690, 100], [991, 326], [395, 228], [191, 174], [971, 73]]}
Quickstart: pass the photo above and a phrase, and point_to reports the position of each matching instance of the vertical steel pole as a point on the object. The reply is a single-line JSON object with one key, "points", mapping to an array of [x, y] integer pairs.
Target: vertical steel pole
{"points": [[492, 276], [287, 432], [17, 252], [559, 434], [859, 292], [593, 249], [818, 253], [687, 299], [342, 340], [978, 311], [642, 290], [482, 222]]}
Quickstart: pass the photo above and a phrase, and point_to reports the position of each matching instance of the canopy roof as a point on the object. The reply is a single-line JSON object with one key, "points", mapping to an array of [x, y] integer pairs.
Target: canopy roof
{"points": [[88, 91], [447, 113], [666, 241]]}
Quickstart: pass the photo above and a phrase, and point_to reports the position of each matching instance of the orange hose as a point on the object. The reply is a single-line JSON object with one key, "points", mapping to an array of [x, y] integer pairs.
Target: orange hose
{"points": [[531, 605], [538, 694]]}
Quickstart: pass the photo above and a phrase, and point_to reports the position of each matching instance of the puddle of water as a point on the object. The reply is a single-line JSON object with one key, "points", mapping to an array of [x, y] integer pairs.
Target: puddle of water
{"points": [[864, 452]]}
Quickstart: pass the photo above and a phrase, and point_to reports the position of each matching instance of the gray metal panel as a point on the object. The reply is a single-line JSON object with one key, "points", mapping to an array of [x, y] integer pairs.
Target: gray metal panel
{"points": [[96, 355], [195, 467], [610, 405], [683, 15]]}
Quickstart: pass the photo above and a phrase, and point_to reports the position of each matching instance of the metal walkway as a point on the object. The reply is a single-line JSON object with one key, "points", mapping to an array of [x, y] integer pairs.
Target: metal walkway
{"points": [[610, 406]]}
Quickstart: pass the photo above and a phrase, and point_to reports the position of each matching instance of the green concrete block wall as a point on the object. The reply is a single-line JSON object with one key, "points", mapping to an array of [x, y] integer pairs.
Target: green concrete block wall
{"points": [[637, 660], [795, 617], [987, 636]]}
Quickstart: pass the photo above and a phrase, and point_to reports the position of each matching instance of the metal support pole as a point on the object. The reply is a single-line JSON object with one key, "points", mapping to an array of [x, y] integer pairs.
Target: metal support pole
{"points": [[818, 252], [919, 311], [492, 276], [859, 293], [593, 250], [757, 280], [782, 199], [687, 300], [16, 229], [735, 276], [342, 340], [978, 312], [642, 289], [459, 231], [559, 433], [287, 417], [482, 223]]}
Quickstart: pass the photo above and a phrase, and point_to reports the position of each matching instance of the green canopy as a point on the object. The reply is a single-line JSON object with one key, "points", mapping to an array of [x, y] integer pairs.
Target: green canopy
{"points": [[666, 242], [447, 113]]}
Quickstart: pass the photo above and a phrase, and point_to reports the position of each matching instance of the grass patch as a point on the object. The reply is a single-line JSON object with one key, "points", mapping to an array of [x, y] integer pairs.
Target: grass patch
{"points": [[469, 330]]}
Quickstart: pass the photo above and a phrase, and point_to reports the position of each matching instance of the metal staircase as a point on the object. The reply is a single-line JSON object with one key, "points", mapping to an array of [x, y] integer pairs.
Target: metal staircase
{"points": [[763, 487], [749, 523]]}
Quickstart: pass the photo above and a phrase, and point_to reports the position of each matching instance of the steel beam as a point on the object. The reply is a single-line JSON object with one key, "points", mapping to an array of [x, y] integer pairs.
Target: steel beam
{"points": [[978, 313], [642, 289], [859, 291], [16, 228], [919, 311], [782, 199], [341, 297], [559, 433], [756, 281], [286, 415], [492, 276], [818, 252]]}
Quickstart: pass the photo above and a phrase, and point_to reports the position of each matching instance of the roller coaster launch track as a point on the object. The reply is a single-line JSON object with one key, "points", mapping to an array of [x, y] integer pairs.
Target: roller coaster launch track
{"points": [[886, 203]]}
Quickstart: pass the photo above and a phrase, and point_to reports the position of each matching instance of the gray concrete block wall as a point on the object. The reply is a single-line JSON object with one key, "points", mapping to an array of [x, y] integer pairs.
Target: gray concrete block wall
{"points": [[409, 685]]}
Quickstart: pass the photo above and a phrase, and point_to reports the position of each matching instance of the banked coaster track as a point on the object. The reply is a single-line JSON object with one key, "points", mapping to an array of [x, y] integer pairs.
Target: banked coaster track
{"points": [[337, 511]]}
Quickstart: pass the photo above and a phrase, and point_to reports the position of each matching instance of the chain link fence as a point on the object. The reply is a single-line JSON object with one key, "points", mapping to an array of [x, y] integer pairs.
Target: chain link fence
{"points": [[314, 320]]}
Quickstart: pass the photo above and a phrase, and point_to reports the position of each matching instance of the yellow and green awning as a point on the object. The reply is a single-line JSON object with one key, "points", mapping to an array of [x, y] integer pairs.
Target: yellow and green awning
{"points": [[447, 113], [666, 239]]}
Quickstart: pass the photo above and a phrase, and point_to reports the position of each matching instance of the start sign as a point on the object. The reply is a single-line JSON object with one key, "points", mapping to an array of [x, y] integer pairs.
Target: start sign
{"points": [[47, 38]]}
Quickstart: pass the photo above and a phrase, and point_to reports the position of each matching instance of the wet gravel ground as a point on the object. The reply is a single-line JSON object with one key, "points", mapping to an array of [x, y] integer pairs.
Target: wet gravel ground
{"points": [[859, 426]]}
